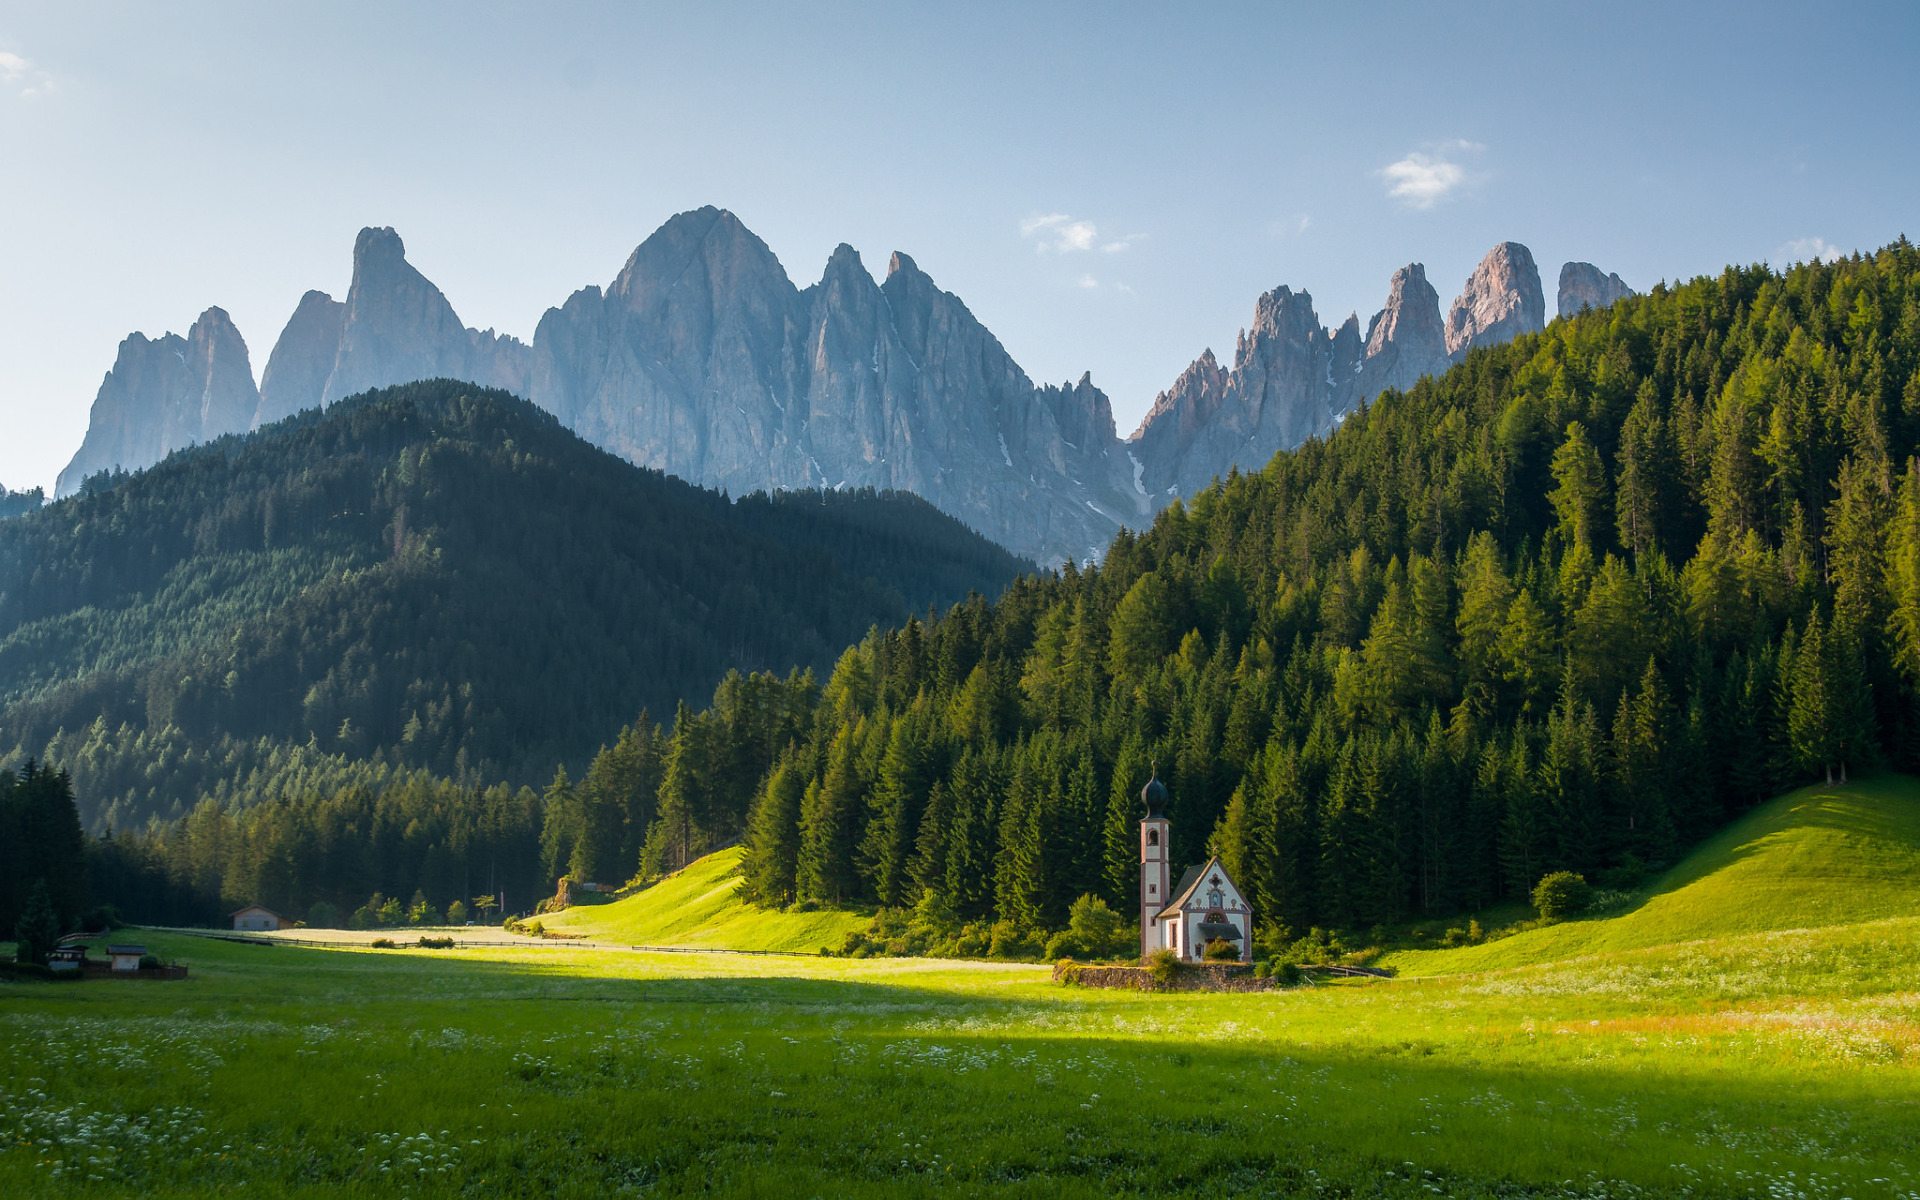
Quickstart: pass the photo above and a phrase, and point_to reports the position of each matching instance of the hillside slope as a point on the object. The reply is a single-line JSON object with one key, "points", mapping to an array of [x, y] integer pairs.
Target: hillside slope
{"points": [[434, 575], [1819, 856], [698, 906]]}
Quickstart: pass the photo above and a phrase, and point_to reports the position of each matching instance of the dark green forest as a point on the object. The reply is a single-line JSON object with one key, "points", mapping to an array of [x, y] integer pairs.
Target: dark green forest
{"points": [[15, 504], [430, 578], [1571, 606]]}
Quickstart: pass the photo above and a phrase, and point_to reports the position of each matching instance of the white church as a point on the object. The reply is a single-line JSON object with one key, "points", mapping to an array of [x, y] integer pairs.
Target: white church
{"points": [[1204, 905]]}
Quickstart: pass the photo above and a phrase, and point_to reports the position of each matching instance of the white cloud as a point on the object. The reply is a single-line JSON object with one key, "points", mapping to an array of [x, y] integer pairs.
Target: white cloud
{"points": [[1059, 233], [1425, 177], [1422, 180], [1088, 281], [22, 77], [1809, 250], [1119, 244]]}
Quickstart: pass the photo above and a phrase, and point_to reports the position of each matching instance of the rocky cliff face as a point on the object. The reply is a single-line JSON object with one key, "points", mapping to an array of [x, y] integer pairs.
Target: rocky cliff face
{"points": [[397, 327], [1583, 285], [1501, 300], [297, 370], [164, 394], [1292, 379], [702, 359]]}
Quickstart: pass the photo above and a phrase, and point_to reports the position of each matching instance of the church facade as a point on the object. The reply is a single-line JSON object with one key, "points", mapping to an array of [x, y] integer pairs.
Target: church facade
{"points": [[1204, 905]]}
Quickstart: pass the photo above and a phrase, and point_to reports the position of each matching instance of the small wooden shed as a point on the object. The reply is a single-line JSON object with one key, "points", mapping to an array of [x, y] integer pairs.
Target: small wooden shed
{"points": [[126, 958], [257, 917]]}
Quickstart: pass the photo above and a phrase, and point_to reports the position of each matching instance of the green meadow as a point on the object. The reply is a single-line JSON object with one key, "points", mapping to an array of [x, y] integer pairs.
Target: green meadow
{"points": [[1730, 1033]]}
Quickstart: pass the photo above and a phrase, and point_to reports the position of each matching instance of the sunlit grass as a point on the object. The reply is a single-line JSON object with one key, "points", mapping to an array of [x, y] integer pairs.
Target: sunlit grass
{"points": [[698, 907], [1776, 1064], [1816, 857]]}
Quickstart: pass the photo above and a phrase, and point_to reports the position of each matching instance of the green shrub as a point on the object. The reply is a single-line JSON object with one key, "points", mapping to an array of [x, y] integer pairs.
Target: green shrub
{"points": [[804, 906], [1288, 975], [383, 943], [149, 962], [457, 913], [323, 916], [1263, 968], [1097, 929], [1065, 945], [102, 918], [436, 943], [1561, 894], [1220, 950], [1163, 964]]}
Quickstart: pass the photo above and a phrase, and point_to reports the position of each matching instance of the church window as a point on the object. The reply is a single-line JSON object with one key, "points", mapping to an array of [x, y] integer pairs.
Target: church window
{"points": [[1153, 837], [1215, 898]]}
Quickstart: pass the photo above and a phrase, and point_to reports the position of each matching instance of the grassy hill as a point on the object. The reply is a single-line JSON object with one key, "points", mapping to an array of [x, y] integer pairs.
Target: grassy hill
{"points": [[698, 907], [1819, 856]]}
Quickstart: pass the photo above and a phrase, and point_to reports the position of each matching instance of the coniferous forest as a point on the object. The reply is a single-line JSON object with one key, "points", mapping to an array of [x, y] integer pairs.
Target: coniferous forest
{"points": [[1571, 606], [431, 578]]}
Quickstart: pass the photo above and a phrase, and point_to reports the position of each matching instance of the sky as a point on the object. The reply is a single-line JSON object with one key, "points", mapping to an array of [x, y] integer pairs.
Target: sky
{"points": [[1109, 187]]}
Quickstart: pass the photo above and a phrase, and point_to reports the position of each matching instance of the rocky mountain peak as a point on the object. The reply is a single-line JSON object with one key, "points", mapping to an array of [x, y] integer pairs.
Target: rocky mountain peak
{"points": [[164, 394], [901, 262], [1583, 285], [297, 370], [1501, 300]]}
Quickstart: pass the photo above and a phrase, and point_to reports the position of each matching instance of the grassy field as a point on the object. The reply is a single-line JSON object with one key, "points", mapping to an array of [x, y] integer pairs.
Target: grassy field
{"points": [[1816, 857], [697, 907], [1777, 1063]]}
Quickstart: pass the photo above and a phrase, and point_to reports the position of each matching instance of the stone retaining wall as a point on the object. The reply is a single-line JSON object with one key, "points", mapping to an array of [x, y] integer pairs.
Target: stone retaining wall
{"points": [[1188, 977]]}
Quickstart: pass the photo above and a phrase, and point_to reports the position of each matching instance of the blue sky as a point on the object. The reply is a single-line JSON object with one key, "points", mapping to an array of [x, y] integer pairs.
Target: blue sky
{"points": [[1108, 187]]}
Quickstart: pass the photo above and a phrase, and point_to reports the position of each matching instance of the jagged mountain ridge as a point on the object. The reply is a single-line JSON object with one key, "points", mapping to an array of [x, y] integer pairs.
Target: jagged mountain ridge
{"points": [[1293, 379], [703, 358]]}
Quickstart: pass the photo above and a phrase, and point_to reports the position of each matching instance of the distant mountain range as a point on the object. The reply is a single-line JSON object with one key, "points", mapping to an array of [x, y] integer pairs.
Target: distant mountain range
{"points": [[702, 359]]}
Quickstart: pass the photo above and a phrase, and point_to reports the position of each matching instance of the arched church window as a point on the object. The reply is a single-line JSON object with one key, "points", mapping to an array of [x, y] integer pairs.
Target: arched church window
{"points": [[1153, 837]]}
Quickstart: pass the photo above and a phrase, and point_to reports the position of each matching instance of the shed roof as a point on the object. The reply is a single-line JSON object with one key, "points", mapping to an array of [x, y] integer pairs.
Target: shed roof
{"points": [[257, 908], [126, 949]]}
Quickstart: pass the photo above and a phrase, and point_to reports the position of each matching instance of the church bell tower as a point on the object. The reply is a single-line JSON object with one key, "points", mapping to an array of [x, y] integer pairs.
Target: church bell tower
{"points": [[1155, 874]]}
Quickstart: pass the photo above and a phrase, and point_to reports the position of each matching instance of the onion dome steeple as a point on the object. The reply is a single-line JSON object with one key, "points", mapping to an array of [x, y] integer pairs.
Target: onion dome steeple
{"points": [[1154, 796]]}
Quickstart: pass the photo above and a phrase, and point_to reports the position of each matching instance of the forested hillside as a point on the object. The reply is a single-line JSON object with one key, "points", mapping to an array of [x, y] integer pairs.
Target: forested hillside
{"points": [[432, 577], [1573, 605], [1570, 606]]}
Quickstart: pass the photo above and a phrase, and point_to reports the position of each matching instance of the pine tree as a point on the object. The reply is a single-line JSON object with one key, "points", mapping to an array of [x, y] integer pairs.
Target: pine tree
{"points": [[771, 861], [38, 931]]}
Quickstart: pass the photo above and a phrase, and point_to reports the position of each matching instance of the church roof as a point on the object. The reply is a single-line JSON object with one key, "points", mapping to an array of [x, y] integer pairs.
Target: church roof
{"points": [[1190, 881]]}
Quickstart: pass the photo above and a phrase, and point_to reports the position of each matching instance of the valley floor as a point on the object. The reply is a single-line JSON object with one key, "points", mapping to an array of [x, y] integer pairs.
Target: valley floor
{"points": [[1773, 1064]]}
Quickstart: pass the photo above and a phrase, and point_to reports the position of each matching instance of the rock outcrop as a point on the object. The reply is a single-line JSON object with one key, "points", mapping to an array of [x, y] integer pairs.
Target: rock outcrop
{"points": [[1501, 300], [164, 394], [702, 359], [297, 370], [1292, 379], [1583, 285], [397, 327]]}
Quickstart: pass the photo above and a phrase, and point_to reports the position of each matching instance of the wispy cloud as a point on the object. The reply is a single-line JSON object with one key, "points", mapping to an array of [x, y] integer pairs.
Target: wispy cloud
{"points": [[1809, 249], [22, 78], [1088, 281], [1424, 178], [1289, 226], [1059, 233]]}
